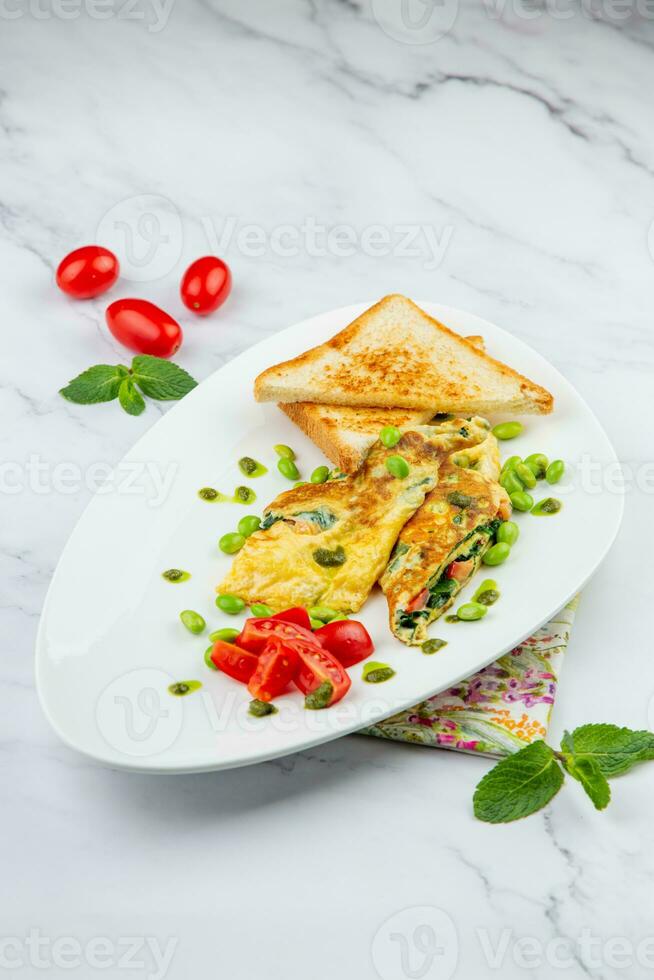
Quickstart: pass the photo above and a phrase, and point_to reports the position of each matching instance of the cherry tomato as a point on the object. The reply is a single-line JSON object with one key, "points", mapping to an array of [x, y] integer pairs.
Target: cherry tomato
{"points": [[297, 615], [144, 327], [419, 601], [275, 669], [257, 632], [316, 666], [239, 664], [348, 641], [87, 272], [460, 570], [206, 284]]}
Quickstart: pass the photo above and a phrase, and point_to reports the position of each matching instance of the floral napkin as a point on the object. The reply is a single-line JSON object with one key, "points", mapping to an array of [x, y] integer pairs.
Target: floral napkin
{"points": [[498, 710]]}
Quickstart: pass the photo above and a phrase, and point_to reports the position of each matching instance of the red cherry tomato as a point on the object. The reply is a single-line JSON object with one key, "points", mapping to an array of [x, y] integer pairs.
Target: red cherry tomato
{"points": [[348, 640], [206, 284], [419, 601], [144, 327], [460, 570], [87, 272], [256, 633], [296, 615], [275, 669], [316, 666], [239, 664]]}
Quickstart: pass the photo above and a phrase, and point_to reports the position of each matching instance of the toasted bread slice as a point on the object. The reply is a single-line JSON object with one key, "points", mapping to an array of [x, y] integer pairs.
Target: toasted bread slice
{"points": [[395, 356]]}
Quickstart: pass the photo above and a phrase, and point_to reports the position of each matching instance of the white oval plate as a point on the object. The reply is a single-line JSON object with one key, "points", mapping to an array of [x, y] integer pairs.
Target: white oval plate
{"points": [[110, 640]]}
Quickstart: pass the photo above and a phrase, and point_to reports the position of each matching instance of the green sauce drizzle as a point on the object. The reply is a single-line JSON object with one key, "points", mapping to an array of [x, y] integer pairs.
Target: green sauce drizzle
{"points": [[433, 646], [175, 575], [181, 688]]}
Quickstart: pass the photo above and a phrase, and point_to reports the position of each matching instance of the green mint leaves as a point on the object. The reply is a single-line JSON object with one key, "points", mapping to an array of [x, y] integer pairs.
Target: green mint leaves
{"points": [[154, 376], [525, 782]]}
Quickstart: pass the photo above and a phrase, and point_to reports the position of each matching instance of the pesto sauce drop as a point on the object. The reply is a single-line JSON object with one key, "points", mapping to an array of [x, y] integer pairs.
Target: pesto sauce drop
{"points": [[175, 575], [376, 673], [251, 467], [181, 688], [259, 709]]}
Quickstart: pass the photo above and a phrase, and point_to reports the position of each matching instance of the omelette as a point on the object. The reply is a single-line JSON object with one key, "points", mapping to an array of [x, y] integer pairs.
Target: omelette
{"points": [[441, 547], [327, 544]]}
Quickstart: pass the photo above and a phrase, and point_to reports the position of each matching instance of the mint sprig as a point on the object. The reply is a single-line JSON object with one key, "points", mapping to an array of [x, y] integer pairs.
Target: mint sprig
{"points": [[592, 754], [154, 376]]}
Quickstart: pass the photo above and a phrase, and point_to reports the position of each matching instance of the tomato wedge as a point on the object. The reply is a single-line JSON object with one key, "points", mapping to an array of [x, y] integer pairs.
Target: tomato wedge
{"points": [[347, 640], [460, 570], [257, 632], [296, 615], [275, 669], [317, 665], [231, 659], [419, 601]]}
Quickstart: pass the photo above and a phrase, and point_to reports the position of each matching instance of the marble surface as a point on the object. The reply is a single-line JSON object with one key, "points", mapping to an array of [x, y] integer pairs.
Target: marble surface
{"points": [[505, 166]]}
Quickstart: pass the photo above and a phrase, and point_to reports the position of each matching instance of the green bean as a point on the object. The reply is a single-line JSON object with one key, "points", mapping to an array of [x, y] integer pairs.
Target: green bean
{"points": [[193, 621], [231, 543], [555, 471], [508, 532], [227, 635], [538, 464], [390, 435], [207, 658], [547, 507], [323, 613], [521, 501], [509, 463], [230, 604], [525, 475], [497, 554], [287, 468], [397, 466], [507, 430], [320, 474], [511, 482], [470, 611], [261, 610], [248, 525], [284, 451]]}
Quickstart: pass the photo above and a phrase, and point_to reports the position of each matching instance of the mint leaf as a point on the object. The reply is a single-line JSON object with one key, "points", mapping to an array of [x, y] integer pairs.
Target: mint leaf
{"points": [[98, 384], [161, 379], [130, 398], [591, 777], [519, 785], [614, 749]]}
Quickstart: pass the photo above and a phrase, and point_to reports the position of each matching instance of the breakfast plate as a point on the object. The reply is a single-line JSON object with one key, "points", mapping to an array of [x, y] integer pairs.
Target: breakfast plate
{"points": [[110, 642]]}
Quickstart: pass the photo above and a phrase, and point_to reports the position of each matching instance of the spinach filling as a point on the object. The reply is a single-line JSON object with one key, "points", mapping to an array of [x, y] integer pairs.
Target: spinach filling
{"points": [[322, 517]]}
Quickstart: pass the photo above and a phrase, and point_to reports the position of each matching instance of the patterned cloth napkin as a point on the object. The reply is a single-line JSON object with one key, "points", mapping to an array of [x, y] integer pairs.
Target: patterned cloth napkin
{"points": [[497, 711]]}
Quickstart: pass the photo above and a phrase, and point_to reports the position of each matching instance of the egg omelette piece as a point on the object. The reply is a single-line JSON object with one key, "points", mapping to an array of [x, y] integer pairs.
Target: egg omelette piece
{"points": [[327, 544], [441, 547]]}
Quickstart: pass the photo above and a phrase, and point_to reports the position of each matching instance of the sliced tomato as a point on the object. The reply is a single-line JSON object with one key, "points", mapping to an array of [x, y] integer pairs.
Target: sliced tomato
{"points": [[257, 632], [275, 669], [419, 601], [460, 570], [296, 615], [317, 665], [347, 640], [233, 660]]}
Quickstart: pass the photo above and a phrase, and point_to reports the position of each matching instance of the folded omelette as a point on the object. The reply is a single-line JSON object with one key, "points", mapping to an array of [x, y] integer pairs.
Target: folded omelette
{"points": [[327, 544], [441, 547]]}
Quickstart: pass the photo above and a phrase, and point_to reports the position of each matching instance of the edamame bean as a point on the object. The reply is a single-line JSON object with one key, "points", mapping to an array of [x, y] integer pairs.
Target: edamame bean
{"points": [[316, 624], [284, 451], [555, 471], [525, 475], [300, 483], [521, 501], [339, 618], [511, 482], [507, 430], [509, 463], [230, 604], [320, 474], [227, 635], [470, 611], [193, 621], [207, 658], [487, 593], [547, 507], [287, 468], [261, 610], [497, 554], [538, 464], [248, 525], [462, 460], [390, 435], [323, 613], [231, 543], [508, 532], [398, 467]]}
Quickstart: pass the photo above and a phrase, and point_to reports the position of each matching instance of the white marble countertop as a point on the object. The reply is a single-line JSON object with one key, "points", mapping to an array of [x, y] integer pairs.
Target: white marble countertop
{"points": [[518, 150]]}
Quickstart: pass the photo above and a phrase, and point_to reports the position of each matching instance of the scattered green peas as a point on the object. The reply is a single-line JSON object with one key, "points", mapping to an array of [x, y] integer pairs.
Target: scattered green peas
{"points": [[555, 471], [230, 604], [538, 464], [507, 430], [508, 532], [284, 451], [320, 474], [323, 613], [193, 621], [287, 468], [227, 635], [390, 435], [525, 475], [397, 466], [511, 482], [470, 611], [509, 463], [521, 501], [231, 543], [548, 506], [248, 525], [497, 554], [207, 658], [260, 609]]}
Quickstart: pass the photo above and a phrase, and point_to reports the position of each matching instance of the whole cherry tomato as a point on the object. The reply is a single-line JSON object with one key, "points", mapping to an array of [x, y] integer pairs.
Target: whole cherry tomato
{"points": [[144, 327], [347, 640], [87, 272], [206, 284]]}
